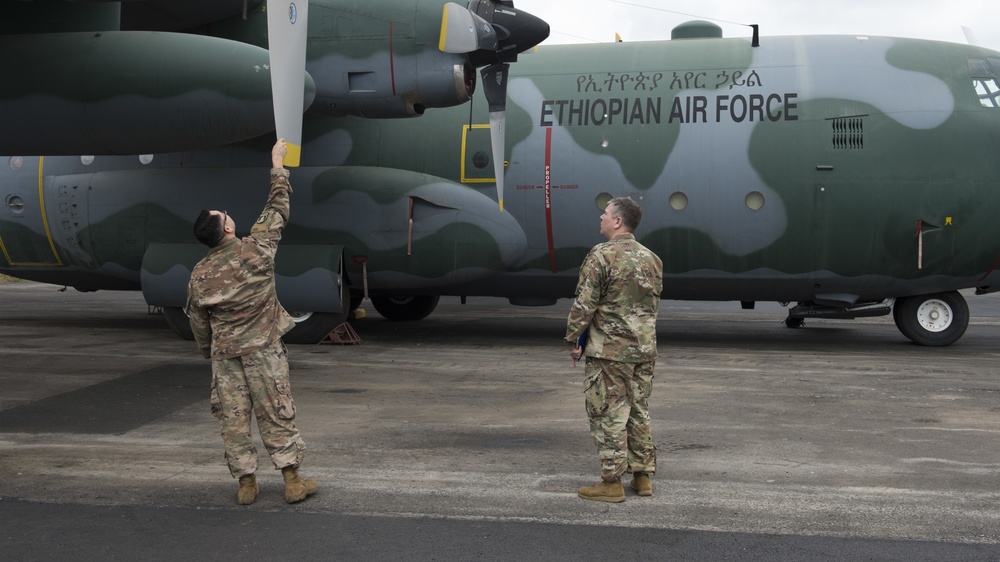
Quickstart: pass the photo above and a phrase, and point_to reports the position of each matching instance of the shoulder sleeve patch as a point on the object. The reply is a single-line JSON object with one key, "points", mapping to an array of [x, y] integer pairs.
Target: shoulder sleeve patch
{"points": [[264, 217]]}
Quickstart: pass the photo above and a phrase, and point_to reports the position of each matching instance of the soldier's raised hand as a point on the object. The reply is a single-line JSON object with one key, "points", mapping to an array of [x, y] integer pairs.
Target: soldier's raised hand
{"points": [[278, 154]]}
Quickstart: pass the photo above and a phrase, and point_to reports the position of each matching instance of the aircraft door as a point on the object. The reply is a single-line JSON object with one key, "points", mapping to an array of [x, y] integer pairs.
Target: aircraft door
{"points": [[823, 207], [25, 231], [848, 199], [477, 154]]}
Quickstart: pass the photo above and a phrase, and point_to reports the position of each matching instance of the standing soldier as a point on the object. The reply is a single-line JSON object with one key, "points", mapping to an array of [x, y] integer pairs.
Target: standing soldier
{"points": [[617, 299], [238, 323]]}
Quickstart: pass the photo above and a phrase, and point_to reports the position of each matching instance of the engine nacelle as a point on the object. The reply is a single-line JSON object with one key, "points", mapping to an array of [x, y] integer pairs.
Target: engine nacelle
{"points": [[380, 59], [132, 93], [387, 85]]}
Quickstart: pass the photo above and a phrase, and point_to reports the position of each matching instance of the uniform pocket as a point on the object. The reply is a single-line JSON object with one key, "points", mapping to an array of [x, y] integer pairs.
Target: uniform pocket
{"points": [[214, 400], [594, 391], [279, 386], [284, 406]]}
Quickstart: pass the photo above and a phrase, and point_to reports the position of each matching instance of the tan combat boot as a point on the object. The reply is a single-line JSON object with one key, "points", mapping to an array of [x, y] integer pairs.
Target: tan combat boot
{"points": [[296, 489], [604, 492], [642, 484], [248, 490]]}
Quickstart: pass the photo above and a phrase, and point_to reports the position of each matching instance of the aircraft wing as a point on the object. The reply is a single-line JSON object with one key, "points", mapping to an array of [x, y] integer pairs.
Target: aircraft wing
{"points": [[120, 15], [180, 15], [100, 78], [160, 76]]}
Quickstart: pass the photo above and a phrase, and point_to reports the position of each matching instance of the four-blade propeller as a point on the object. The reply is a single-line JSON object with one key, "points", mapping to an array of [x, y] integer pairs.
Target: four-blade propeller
{"points": [[493, 33]]}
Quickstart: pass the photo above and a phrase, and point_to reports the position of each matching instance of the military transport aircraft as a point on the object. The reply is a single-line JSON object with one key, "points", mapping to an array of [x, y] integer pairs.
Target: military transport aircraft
{"points": [[850, 175]]}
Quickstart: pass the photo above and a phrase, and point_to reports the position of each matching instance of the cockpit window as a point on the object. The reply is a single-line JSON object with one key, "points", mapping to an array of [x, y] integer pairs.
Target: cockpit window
{"points": [[979, 67], [988, 91], [984, 81]]}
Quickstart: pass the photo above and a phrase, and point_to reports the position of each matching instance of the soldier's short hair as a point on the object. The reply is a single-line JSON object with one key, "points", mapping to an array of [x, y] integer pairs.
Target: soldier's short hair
{"points": [[208, 228], [628, 210]]}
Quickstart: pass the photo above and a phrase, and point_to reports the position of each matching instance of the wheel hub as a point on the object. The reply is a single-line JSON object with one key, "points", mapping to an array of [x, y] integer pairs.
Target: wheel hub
{"points": [[934, 315]]}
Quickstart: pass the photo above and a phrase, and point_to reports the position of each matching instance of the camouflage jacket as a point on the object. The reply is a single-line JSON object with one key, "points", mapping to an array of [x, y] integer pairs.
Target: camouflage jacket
{"points": [[232, 303], [617, 299]]}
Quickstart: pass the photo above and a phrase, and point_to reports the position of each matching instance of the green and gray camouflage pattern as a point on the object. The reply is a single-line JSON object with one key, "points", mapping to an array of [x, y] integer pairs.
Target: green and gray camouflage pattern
{"points": [[847, 176]]}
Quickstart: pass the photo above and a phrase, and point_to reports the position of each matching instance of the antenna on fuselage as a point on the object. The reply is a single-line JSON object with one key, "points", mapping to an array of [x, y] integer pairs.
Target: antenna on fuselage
{"points": [[755, 42]]}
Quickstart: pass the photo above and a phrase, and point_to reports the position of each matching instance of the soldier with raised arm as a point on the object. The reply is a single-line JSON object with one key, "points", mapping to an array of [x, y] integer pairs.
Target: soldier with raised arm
{"points": [[238, 323]]}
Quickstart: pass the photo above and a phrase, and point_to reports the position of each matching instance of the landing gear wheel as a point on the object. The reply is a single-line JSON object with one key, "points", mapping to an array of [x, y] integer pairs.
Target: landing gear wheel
{"points": [[311, 327], [794, 322], [178, 322], [935, 320], [405, 309]]}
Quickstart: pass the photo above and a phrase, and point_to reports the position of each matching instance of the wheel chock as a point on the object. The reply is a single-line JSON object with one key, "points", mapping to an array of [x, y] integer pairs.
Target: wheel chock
{"points": [[343, 334]]}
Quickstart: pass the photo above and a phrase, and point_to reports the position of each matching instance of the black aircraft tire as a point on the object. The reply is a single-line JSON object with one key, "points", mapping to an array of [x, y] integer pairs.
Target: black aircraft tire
{"points": [[936, 320], [312, 327], [405, 309], [178, 322]]}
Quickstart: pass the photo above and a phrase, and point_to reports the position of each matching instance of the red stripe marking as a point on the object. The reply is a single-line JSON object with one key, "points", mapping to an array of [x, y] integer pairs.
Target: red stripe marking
{"points": [[548, 199], [392, 61], [987, 274]]}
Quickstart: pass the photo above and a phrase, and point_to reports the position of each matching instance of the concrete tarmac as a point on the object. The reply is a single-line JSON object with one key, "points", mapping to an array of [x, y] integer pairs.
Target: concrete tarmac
{"points": [[463, 437]]}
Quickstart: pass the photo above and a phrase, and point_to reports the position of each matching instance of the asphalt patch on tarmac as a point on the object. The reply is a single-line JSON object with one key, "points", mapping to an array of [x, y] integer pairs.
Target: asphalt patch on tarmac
{"points": [[113, 407], [61, 531]]}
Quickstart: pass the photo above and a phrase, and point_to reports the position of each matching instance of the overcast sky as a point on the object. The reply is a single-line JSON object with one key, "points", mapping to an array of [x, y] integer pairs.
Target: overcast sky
{"points": [[589, 21]]}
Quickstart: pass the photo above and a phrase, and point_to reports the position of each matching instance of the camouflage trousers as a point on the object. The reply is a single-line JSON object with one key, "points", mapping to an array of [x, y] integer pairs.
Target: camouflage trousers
{"points": [[256, 383], [616, 399]]}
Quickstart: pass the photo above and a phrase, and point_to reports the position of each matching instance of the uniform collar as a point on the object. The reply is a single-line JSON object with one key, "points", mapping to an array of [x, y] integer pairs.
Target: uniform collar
{"points": [[222, 246]]}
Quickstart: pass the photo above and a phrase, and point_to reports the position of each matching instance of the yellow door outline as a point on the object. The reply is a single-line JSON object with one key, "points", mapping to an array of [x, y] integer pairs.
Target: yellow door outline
{"points": [[465, 146], [45, 225]]}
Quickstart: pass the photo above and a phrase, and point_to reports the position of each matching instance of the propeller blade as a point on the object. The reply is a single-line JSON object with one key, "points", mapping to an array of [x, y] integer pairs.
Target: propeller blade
{"points": [[970, 36], [495, 87], [287, 31], [493, 33], [464, 32]]}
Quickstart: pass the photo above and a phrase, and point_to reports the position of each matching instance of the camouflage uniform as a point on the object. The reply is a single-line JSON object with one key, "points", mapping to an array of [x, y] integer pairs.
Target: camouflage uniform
{"points": [[238, 323], [617, 299]]}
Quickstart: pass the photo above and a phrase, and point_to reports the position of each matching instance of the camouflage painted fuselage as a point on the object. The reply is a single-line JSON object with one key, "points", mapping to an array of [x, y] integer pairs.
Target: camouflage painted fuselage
{"points": [[831, 169], [843, 168]]}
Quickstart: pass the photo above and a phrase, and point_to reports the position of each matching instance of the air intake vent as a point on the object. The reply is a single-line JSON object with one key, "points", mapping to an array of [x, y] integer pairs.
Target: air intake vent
{"points": [[848, 133]]}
